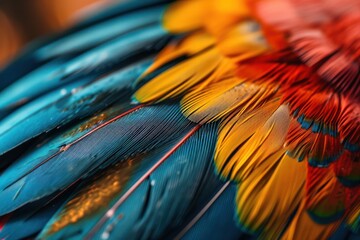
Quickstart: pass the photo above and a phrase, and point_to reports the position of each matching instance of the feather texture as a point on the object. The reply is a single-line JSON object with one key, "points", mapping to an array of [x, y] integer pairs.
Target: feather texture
{"points": [[74, 105], [186, 119]]}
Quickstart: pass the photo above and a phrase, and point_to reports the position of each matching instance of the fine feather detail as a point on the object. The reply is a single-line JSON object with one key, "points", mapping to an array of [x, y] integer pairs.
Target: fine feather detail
{"points": [[248, 122], [69, 145], [202, 212], [111, 211]]}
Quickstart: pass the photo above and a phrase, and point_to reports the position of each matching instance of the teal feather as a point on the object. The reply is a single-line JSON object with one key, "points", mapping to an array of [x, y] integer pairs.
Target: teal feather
{"points": [[168, 194], [134, 133], [217, 220], [102, 32], [66, 117], [76, 105]]}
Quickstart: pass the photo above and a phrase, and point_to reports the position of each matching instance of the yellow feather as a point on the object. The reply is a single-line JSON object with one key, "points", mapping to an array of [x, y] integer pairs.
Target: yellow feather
{"points": [[180, 78], [190, 45], [217, 100], [214, 15], [184, 16], [243, 40], [223, 15], [261, 200], [303, 227], [258, 143], [266, 141]]}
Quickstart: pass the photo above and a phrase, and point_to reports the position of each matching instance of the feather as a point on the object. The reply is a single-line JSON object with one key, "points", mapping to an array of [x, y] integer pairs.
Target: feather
{"points": [[91, 64], [183, 168], [263, 207], [55, 144], [343, 232], [302, 221], [179, 49], [97, 147], [32, 107], [216, 220], [28, 60], [221, 98], [185, 16], [193, 119], [331, 63], [346, 170], [95, 35], [180, 78], [74, 105], [242, 41], [118, 8], [114, 53], [354, 221], [325, 196], [320, 149], [260, 142], [28, 221], [216, 100], [98, 192], [30, 86]]}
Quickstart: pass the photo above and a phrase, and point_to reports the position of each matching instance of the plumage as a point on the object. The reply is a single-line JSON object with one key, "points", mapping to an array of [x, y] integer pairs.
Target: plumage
{"points": [[197, 119], [75, 104], [22, 224]]}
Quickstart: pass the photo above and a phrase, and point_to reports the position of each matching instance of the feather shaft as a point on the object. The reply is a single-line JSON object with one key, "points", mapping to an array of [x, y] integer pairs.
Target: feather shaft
{"points": [[111, 211]]}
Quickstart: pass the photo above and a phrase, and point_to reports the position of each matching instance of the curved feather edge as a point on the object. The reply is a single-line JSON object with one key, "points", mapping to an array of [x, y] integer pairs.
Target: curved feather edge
{"points": [[74, 105], [30, 220], [128, 201], [151, 207], [217, 220], [107, 57], [28, 61], [153, 126], [185, 161]]}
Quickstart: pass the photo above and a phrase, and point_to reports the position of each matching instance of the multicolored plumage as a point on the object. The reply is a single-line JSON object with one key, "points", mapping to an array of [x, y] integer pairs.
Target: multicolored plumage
{"points": [[199, 119]]}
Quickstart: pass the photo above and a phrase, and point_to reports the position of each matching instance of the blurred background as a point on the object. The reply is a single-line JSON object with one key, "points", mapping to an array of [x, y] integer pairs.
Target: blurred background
{"points": [[24, 20]]}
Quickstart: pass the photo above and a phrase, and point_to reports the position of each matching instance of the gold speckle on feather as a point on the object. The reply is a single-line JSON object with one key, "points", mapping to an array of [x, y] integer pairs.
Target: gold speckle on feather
{"points": [[88, 124], [97, 195]]}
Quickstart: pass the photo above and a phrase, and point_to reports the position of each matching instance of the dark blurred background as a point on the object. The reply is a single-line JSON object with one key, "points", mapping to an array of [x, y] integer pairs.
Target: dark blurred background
{"points": [[24, 20]]}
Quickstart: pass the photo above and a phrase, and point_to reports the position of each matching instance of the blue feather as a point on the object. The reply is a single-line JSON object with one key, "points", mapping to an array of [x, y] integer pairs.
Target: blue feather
{"points": [[91, 64], [82, 103], [116, 10], [100, 33], [30, 86], [112, 54], [32, 107], [162, 202], [29, 221], [183, 184], [48, 148], [28, 59], [345, 233], [134, 133], [218, 221]]}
